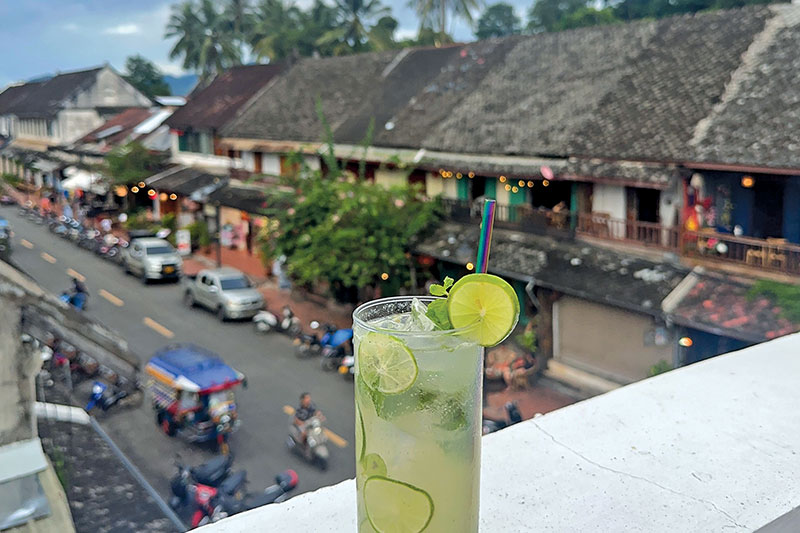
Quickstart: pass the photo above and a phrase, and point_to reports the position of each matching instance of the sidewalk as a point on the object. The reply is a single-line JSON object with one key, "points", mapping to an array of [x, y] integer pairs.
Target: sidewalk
{"points": [[305, 308], [542, 397]]}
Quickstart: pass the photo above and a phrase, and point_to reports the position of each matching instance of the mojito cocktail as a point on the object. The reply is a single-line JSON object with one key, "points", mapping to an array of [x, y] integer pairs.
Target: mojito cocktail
{"points": [[418, 407]]}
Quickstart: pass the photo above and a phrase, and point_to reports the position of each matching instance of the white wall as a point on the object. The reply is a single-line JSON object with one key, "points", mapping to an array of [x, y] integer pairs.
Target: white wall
{"points": [[248, 161], [390, 178], [503, 196], [75, 123], [608, 199], [111, 90], [312, 161], [271, 164], [203, 160], [434, 185]]}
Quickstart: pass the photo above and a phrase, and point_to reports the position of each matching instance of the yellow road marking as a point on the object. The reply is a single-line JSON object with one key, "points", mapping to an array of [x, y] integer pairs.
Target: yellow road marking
{"points": [[75, 274], [110, 297], [152, 324], [333, 437], [49, 258], [26, 243]]}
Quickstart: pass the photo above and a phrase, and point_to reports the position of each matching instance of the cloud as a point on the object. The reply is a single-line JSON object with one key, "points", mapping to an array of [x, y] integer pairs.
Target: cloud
{"points": [[170, 68], [70, 26], [122, 29]]}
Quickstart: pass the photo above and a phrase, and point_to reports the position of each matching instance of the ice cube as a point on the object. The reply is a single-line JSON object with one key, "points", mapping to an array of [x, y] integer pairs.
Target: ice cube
{"points": [[419, 320]]}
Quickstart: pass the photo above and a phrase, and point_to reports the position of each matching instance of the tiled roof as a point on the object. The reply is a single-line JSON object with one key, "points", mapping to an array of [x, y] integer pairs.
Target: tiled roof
{"points": [[118, 128], [250, 199], [15, 93], [45, 99], [758, 122], [721, 304], [575, 268], [213, 106], [287, 110], [184, 180]]}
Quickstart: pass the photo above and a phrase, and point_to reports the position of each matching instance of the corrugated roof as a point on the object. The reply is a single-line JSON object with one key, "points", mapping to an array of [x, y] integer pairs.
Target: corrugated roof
{"points": [[15, 93], [213, 106], [118, 128]]}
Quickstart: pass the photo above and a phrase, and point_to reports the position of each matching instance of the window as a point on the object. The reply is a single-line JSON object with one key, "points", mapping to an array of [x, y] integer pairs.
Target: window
{"points": [[159, 250], [232, 284], [49, 128]]}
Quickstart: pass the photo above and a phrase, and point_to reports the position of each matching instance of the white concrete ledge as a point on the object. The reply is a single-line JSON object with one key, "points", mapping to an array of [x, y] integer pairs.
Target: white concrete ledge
{"points": [[709, 447], [61, 413]]}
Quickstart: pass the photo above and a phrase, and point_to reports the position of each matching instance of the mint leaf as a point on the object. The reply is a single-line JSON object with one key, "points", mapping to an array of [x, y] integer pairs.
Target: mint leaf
{"points": [[438, 290], [448, 282], [437, 312]]}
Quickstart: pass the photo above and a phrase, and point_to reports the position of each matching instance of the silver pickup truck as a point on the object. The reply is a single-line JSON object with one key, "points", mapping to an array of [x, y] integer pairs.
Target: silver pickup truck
{"points": [[226, 291], [151, 258]]}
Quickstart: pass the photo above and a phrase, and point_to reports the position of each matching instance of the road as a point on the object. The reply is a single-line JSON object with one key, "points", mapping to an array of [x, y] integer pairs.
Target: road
{"points": [[150, 317]]}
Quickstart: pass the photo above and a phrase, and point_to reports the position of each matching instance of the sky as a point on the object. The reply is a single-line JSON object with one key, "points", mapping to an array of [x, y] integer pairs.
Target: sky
{"points": [[62, 35]]}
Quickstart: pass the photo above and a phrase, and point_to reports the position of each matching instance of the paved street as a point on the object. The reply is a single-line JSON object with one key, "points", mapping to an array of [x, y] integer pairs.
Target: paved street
{"points": [[152, 316]]}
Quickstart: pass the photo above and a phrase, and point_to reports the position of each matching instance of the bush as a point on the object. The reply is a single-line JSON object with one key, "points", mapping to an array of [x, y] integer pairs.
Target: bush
{"points": [[138, 220], [659, 368], [11, 179], [527, 339], [199, 234]]}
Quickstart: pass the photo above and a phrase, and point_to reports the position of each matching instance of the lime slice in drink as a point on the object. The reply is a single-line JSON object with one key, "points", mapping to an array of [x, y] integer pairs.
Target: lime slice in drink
{"points": [[396, 507], [361, 444], [374, 465], [485, 300], [386, 364]]}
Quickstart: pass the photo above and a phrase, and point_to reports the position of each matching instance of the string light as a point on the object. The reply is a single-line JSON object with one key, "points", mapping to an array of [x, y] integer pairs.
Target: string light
{"points": [[173, 196], [685, 342], [384, 276], [458, 175], [134, 189], [441, 171], [545, 183], [121, 191], [162, 197], [151, 193], [471, 175], [502, 179], [141, 185], [508, 187], [530, 184], [470, 266], [521, 183], [514, 189]]}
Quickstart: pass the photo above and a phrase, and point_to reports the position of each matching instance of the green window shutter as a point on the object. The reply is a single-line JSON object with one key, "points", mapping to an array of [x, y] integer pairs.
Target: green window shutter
{"points": [[491, 188], [463, 189]]}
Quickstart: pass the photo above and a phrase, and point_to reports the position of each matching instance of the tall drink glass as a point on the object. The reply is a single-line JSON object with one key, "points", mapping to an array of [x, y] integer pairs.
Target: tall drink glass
{"points": [[418, 446]]}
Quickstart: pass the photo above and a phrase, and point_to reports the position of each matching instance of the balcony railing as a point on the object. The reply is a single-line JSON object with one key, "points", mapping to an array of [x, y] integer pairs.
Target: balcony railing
{"points": [[767, 254], [521, 217], [602, 226]]}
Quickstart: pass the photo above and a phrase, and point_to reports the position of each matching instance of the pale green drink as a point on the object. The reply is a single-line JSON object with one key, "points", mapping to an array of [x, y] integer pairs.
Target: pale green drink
{"points": [[418, 430]]}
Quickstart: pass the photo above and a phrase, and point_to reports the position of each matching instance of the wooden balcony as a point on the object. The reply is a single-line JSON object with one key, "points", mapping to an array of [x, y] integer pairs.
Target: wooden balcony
{"points": [[775, 255], [602, 226]]}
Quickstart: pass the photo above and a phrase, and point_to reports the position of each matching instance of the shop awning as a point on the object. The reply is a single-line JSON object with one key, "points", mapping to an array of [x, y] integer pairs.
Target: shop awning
{"points": [[249, 198], [185, 180], [84, 180]]}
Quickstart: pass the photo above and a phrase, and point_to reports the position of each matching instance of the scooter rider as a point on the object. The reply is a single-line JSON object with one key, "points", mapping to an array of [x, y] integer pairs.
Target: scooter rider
{"points": [[303, 413]]}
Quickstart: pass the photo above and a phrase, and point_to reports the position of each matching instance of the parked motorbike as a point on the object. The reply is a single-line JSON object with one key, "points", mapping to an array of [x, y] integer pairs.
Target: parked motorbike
{"points": [[230, 498], [78, 300], [307, 344], [104, 396], [513, 417], [336, 344], [209, 474], [265, 322], [314, 449], [348, 367], [7, 200]]}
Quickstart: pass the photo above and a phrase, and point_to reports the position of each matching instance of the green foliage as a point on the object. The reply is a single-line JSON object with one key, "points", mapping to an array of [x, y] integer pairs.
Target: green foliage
{"points": [[146, 77], [138, 220], [200, 236], [527, 339], [785, 296], [547, 15], [659, 368], [60, 465], [351, 32], [11, 179], [588, 16], [498, 20], [132, 163], [434, 14]]}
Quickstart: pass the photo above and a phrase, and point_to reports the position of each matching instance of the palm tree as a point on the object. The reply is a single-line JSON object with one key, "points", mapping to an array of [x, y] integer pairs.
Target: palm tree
{"points": [[275, 31], [433, 13], [205, 39], [354, 16]]}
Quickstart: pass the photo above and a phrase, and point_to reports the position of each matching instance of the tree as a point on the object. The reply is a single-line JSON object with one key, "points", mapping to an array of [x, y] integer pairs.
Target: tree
{"points": [[381, 35], [352, 32], [498, 20], [146, 77], [205, 38], [275, 30], [588, 16], [547, 15], [132, 163], [434, 13]]}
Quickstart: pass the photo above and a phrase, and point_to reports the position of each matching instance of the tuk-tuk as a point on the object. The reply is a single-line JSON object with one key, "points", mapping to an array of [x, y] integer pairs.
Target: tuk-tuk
{"points": [[192, 393], [5, 239]]}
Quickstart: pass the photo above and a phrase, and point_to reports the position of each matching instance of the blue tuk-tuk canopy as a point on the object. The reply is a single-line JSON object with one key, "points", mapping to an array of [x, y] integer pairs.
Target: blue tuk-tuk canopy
{"points": [[192, 367]]}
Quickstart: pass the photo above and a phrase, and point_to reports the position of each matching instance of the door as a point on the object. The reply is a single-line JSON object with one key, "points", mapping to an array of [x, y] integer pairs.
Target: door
{"points": [[137, 259], [768, 209], [203, 294]]}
